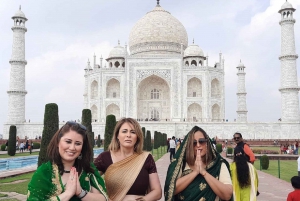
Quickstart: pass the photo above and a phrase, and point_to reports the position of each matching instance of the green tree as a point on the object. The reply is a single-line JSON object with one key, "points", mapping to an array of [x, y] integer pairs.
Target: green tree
{"points": [[99, 141], [144, 138], [148, 141], [156, 140], [86, 120], [11, 150], [51, 126], [109, 130]]}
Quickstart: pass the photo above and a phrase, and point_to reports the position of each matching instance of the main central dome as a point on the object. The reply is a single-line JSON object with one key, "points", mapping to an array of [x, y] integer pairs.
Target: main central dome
{"points": [[158, 32]]}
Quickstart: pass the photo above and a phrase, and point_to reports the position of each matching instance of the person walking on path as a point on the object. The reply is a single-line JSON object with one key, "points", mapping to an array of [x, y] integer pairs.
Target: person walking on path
{"points": [[295, 195], [244, 177], [172, 148], [6, 145], [30, 147], [22, 147], [238, 138]]}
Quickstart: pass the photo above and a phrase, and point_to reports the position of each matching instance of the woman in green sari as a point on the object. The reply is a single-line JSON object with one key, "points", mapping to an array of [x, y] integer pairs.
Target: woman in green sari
{"points": [[69, 174], [198, 172]]}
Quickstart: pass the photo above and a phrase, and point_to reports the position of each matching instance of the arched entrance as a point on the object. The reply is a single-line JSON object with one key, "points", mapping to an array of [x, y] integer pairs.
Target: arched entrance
{"points": [[153, 98], [113, 109]]}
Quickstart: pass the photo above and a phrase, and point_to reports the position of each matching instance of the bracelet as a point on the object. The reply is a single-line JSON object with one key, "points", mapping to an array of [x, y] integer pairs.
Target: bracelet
{"points": [[82, 194]]}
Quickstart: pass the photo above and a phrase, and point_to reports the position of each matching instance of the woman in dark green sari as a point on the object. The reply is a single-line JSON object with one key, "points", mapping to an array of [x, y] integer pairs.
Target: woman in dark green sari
{"points": [[197, 171], [69, 174]]}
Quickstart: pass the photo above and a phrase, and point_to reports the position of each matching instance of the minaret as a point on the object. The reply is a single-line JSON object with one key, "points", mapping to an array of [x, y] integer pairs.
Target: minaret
{"points": [[17, 92], [241, 94], [86, 95], [289, 82]]}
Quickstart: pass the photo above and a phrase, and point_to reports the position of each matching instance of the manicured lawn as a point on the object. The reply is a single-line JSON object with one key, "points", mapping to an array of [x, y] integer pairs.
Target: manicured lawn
{"points": [[19, 154], [10, 199], [158, 153], [267, 148], [2, 195], [17, 187], [288, 168]]}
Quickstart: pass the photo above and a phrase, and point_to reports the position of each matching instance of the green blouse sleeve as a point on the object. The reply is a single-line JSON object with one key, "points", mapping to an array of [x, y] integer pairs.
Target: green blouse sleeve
{"points": [[40, 187]]}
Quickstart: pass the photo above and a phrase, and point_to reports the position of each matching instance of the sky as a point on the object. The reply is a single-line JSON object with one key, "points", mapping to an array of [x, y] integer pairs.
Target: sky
{"points": [[63, 35]]}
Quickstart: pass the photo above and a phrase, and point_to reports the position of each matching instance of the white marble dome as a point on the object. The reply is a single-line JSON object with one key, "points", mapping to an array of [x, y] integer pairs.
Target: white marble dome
{"points": [[19, 13], [286, 5], [241, 64], [117, 52], [157, 32], [193, 51]]}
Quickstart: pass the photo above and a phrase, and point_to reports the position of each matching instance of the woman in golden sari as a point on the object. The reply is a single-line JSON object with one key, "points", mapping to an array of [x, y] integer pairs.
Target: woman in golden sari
{"points": [[198, 172], [130, 173], [69, 174]]}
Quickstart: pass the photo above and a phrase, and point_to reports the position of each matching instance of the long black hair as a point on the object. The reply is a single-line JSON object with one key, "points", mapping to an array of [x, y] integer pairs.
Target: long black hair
{"points": [[242, 168]]}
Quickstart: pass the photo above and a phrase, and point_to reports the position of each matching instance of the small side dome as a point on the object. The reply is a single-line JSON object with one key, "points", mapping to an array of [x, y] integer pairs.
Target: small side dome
{"points": [[193, 51], [286, 5], [117, 52], [20, 14], [241, 64]]}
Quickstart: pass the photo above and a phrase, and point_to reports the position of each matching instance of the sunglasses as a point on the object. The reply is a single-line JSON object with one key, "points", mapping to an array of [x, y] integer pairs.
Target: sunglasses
{"points": [[73, 123], [236, 138], [201, 141]]}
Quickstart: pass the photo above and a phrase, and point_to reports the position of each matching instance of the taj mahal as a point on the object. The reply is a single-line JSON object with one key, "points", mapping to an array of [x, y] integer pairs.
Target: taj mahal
{"points": [[165, 83]]}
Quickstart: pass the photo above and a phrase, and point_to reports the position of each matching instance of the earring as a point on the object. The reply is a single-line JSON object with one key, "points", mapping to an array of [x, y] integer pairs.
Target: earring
{"points": [[80, 156]]}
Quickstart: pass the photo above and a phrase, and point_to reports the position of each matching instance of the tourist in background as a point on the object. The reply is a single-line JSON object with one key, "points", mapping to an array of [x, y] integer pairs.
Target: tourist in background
{"points": [[22, 147], [178, 144], [69, 174], [172, 148], [130, 173], [26, 145], [295, 195], [31, 147], [198, 171], [244, 177], [296, 148], [238, 138]]}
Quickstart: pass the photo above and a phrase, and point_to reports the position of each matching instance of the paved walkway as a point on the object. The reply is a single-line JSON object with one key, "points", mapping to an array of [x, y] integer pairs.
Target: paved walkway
{"points": [[270, 187]]}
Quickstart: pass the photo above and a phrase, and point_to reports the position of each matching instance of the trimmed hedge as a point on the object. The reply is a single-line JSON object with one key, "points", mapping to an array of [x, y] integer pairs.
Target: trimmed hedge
{"points": [[148, 141], [3, 147], [36, 145], [11, 149], [144, 138], [229, 150], [86, 120], [99, 141], [219, 148], [109, 130], [264, 162], [51, 126]]}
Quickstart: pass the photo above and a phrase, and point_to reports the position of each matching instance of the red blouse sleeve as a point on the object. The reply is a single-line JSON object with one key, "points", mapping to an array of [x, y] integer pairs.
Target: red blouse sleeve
{"points": [[103, 161], [151, 165]]}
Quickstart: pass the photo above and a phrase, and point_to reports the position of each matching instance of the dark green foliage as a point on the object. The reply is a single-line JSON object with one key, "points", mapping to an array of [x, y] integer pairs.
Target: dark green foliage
{"points": [[99, 141], [51, 126], [264, 162], [156, 140], [86, 120], [229, 150], [11, 149], [109, 129], [148, 141], [144, 138], [36, 145], [3, 147], [219, 148]]}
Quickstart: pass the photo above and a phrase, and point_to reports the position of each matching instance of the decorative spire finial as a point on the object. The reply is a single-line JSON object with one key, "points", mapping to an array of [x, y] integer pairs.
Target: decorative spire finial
{"points": [[20, 7], [118, 42], [193, 40], [158, 2]]}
